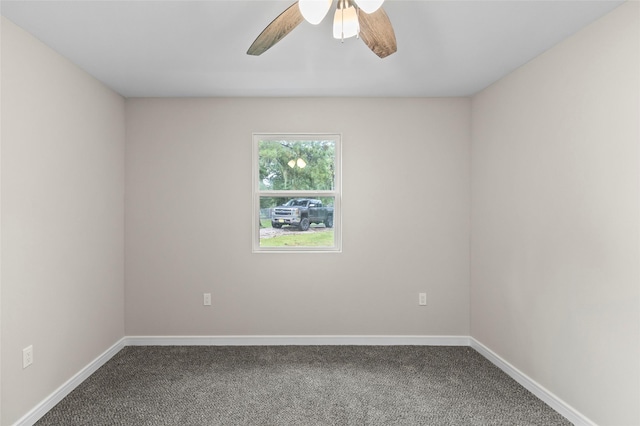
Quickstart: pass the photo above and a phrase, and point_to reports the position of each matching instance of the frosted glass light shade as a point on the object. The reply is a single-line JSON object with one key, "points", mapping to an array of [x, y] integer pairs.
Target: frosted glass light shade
{"points": [[369, 6], [314, 11], [345, 23]]}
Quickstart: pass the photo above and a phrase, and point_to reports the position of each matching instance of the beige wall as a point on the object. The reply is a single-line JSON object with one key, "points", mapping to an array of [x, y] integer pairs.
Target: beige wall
{"points": [[555, 215], [406, 220], [62, 220]]}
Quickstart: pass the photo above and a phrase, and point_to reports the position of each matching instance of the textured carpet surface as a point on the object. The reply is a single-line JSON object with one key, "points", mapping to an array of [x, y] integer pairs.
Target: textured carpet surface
{"points": [[300, 385]]}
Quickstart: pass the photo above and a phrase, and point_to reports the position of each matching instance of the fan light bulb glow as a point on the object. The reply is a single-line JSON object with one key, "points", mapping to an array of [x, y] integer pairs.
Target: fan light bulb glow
{"points": [[314, 11], [299, 162], [345, 23], [369, 6]]}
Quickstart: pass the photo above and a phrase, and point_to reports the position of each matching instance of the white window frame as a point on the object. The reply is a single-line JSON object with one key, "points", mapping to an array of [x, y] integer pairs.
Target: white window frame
{"points": [[336, 193]]}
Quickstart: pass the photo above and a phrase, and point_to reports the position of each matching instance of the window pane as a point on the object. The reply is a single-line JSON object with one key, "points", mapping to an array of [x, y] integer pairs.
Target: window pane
{"points": [[296, 187], [298, 165], [296, 222]]}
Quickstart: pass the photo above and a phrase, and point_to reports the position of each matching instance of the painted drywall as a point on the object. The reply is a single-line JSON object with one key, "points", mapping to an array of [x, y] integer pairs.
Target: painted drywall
{"points": [[62, 220], [405, 216], [555, 219]]}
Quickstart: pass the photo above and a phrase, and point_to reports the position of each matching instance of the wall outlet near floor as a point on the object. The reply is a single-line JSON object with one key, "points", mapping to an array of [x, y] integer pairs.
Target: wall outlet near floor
{"points": [[27, 356], [422, 299], [207, 299]]}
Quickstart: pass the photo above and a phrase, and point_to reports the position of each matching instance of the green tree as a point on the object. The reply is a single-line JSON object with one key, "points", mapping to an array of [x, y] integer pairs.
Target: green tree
{"points": [[295, 165]]}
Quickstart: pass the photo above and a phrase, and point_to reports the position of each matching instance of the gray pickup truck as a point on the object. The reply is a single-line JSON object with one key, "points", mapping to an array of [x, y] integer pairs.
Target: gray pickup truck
{"points": [[302, 212]]}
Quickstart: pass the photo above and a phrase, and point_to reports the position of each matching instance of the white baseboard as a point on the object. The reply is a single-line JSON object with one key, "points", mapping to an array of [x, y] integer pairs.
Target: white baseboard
{"points": [[532, 386], [49, 402], [296, 340]]}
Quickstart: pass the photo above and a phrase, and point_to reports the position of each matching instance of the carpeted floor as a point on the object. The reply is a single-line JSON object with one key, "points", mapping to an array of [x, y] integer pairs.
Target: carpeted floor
{"points": [[300, 385]]}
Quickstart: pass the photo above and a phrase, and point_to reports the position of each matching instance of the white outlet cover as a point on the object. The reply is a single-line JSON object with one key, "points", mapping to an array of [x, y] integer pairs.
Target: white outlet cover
{"points": [[422, 299], [27, 356]]}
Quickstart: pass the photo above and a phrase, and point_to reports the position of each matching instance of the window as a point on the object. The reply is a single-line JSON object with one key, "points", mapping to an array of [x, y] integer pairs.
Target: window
{"points": [[296, 193]]}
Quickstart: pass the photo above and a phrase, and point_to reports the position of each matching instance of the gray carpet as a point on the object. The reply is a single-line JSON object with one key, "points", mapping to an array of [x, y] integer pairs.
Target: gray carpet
{"points": [[300, 385]]}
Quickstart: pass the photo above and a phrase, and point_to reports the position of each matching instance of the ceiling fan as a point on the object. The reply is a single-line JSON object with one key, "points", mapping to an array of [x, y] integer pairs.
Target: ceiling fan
{"points": [[361, 18]]}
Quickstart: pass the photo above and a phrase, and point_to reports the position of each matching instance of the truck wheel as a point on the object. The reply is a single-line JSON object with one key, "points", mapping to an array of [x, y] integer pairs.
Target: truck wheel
{"points": [[276, 225], [304, 224], [329, 222]]}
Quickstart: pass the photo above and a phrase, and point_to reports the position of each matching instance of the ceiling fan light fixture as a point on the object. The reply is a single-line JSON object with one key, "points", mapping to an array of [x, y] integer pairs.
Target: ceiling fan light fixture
{"points": [[314, 11], [369, 6], [374, 29], [345, 22]]}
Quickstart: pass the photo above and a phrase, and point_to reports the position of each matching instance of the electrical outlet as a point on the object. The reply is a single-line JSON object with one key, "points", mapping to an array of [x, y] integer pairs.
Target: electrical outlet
{"points": [[207, 299], [27, 356], [422, 299]]}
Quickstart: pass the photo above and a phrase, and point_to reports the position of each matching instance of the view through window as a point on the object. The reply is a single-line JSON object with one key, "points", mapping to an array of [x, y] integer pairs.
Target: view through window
{"points": [[296, 192]]}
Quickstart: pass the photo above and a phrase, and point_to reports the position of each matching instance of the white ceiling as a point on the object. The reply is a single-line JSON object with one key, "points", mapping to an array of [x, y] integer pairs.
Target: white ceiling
{"points": [[198, 48]]}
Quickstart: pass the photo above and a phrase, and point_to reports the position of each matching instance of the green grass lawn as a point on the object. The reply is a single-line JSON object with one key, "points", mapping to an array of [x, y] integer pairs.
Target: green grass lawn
{"points": [[308, 239], [315, 237]]}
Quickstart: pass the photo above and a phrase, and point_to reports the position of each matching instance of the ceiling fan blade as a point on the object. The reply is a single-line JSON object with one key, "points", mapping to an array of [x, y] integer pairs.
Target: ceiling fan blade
{"points": [[276, 30], [377, 32]]}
